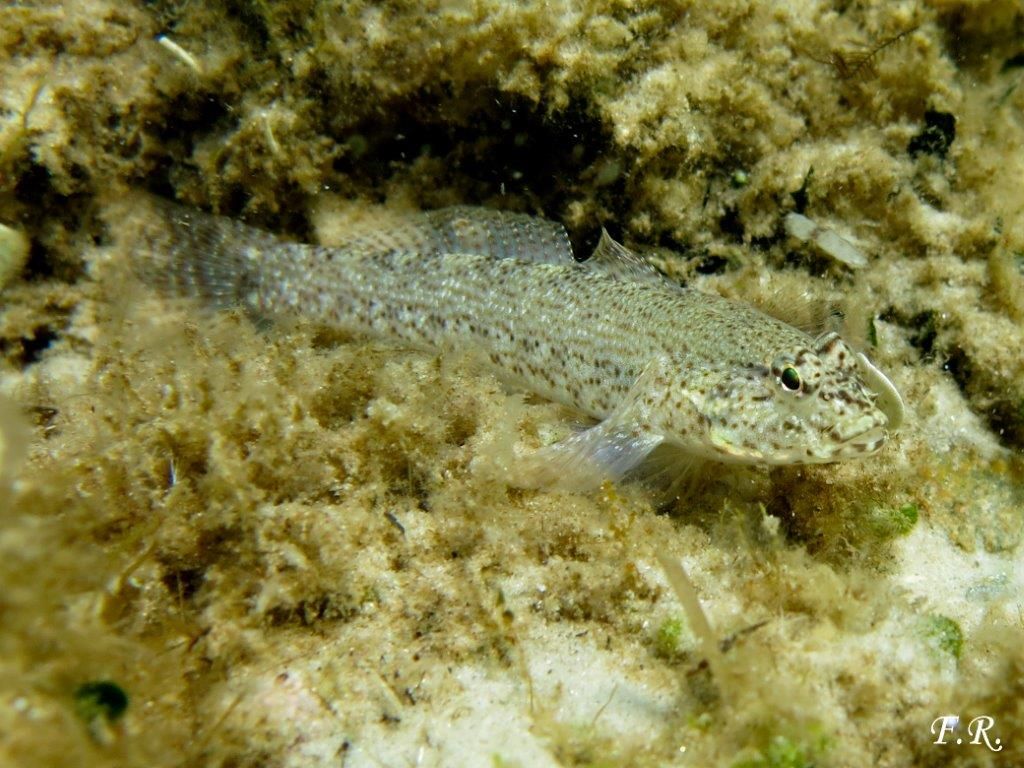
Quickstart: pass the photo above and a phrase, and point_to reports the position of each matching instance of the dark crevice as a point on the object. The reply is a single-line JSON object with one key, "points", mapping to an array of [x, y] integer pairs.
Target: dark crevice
{"points": [[984, 395], [710, 264], [1007, 421], [1013, 62], [191, 114], [157, 180], [959, 366], [923, 328], [936, 137], [184, 582], [40, 265], [501, 146], [800, 197], [812, 262], [731, 224], [251, 21], [668, 241], [27, 350], [34, 186]]}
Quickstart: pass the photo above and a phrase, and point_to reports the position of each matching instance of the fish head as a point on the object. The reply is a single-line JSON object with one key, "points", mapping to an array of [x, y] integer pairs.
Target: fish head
{"points": [[807, 404]]}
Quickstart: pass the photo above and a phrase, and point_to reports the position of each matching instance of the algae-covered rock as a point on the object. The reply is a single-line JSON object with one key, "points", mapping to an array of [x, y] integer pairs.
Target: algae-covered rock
{"points": [[314, 536], [14, 437], [13, 253]]}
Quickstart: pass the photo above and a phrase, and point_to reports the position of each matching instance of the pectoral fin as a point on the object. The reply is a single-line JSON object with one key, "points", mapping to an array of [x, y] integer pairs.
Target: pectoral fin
{"points": [[607, 451]]}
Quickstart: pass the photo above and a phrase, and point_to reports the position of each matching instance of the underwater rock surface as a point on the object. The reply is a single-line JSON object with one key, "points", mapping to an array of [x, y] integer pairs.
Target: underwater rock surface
{"points": [[228, 544]]}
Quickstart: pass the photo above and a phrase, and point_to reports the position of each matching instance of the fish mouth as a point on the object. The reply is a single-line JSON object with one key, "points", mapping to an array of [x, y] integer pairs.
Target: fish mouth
{"points": [[849, 444], [854, 429], [725, 449], [860, 437], [864, 444]]}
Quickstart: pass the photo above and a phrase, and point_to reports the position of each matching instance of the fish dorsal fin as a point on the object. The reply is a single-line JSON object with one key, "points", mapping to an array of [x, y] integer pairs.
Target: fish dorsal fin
{"points": [[462, 229], [499, 234], [614, 259], [382, 230]]}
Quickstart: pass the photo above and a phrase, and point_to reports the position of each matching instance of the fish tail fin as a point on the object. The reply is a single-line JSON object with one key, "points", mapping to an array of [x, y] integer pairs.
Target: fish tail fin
{"points": [[184, 252]]}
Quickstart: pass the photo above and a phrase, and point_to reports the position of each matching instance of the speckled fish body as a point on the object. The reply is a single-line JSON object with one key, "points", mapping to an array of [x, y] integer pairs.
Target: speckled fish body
{"points": [[652, 361]]}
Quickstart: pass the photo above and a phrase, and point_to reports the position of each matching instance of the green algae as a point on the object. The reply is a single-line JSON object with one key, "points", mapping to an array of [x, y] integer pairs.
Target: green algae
{"points": [[893, 521], [781, 752], [669, 636], [101, 699], [945, 634]]}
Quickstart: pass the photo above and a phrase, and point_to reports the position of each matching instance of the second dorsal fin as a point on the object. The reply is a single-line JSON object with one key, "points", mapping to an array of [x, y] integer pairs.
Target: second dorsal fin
{"points": [[499, 234], [463, 229]]}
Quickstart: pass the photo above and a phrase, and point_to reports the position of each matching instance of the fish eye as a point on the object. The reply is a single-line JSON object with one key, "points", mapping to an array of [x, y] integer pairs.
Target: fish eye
{"points": [[790, 379]]}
